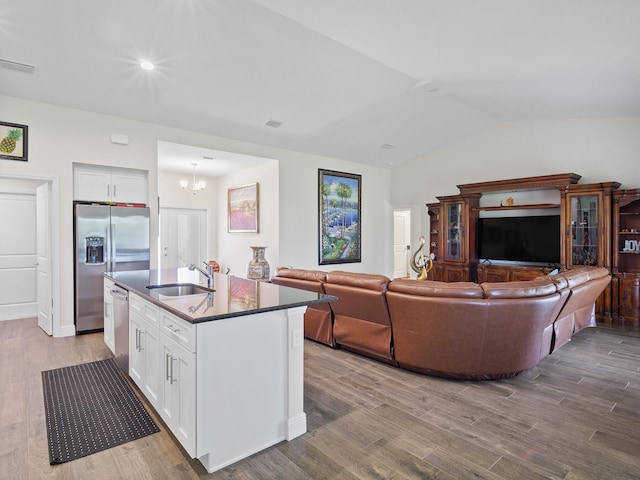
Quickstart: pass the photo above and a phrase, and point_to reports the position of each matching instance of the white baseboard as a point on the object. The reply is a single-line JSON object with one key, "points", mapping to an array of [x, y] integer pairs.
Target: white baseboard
{"points": [[13, 312], [66, 331], [296, 426]]}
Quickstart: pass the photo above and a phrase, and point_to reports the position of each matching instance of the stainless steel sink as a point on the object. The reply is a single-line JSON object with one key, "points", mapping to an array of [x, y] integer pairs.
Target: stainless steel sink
{"points": [[179, 289]]}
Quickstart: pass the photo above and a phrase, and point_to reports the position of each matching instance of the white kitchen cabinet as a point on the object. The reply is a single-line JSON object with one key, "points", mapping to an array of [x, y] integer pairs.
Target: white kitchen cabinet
{"points": [[136, 355], [144, 353], [95, 183], [163, 368], [220, 410], [151, 386], [109, 327], [178, 408]]}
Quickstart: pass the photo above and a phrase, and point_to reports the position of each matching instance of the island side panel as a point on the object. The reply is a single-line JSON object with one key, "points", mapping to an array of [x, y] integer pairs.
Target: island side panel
{"points": [[242, 398], [297, 419]]}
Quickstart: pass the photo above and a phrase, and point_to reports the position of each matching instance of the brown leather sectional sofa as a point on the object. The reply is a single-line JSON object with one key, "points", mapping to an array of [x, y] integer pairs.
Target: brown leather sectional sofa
{"points": [[457, 330], [318, 319]]}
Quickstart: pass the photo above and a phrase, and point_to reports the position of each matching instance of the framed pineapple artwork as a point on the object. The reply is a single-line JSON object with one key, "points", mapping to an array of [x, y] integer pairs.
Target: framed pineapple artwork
{"points": [[13, 141]]}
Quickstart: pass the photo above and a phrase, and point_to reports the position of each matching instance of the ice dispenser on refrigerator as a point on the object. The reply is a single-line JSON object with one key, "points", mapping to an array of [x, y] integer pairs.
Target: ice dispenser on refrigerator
{"points": [[95, 250]]}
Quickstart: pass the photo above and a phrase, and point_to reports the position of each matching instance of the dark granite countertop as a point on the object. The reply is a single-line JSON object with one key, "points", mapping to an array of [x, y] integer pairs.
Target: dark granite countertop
{"points": [[231, 296]]}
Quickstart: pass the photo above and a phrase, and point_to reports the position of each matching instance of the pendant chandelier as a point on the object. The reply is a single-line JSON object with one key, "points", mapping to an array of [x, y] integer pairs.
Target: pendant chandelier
{"points": [[195, 186]]}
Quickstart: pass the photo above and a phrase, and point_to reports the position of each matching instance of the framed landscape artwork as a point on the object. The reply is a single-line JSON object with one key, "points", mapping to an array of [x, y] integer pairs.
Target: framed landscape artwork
{"points": [[243, 208], [339, 201], [13, 141]]}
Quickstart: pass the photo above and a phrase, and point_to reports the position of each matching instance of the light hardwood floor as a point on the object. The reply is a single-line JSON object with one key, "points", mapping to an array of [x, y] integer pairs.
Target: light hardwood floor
{"points": [[575, 416]]}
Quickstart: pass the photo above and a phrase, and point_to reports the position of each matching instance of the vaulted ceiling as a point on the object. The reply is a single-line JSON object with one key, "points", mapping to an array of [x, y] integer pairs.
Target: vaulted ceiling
{"points": [[374, 81]]}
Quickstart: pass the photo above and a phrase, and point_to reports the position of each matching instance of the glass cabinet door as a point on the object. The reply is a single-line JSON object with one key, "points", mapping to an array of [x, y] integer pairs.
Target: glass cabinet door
{"points": [[453, 231], [584, 230]]}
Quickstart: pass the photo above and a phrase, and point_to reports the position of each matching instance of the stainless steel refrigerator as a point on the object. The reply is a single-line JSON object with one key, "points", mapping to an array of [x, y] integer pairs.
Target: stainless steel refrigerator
{"points": [[106, 239]]}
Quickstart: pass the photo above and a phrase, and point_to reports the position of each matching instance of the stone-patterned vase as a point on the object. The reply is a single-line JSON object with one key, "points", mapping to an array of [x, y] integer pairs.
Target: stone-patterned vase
{"points": [[258, 268]]}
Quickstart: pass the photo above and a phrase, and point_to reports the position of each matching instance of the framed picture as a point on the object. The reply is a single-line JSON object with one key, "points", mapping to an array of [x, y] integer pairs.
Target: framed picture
{"points": [[13, 141], [339, 200], [243, 209]]}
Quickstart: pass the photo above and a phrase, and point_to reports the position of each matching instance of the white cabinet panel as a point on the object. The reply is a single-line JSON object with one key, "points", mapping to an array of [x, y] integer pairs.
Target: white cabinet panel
{"points": [[178, 330], [163, 369], [109, 326], [128, 187], [102, 184], [152, 369], [136, 355], [144, 348], [179, 393], [145, 310], [91, 185]]}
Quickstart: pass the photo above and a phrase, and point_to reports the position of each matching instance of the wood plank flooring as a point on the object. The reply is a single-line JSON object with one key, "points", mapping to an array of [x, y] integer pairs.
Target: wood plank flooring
{"points": [[575, 416]]}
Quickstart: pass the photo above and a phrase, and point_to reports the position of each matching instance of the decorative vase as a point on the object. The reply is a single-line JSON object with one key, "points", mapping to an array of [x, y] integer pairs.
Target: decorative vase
{"points": [[258, 268]]}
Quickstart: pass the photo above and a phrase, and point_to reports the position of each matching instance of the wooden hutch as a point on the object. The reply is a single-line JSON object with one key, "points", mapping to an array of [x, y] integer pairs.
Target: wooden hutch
{"points": [[589, 226], [626, 257]]}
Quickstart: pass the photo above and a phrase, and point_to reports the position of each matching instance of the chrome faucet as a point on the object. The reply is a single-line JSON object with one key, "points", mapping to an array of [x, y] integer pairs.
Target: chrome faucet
{"points": [[208, 272]]}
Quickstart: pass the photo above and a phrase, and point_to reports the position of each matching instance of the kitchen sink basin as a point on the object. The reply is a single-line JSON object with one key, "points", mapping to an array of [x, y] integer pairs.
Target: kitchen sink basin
{"points": [[179, 289]]}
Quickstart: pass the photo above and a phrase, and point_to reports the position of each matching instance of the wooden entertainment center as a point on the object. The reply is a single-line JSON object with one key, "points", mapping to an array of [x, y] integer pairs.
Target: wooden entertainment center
{"points": [[599, 225]]}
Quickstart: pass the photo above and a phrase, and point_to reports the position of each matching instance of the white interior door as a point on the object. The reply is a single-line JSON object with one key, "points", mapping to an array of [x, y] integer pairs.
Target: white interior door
{"points": [[183, 237], [401, 242], [18, 255], [43, 262]]}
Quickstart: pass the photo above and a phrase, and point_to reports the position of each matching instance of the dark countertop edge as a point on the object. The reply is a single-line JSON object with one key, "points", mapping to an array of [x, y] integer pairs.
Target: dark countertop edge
{"points": [[325, 299]]}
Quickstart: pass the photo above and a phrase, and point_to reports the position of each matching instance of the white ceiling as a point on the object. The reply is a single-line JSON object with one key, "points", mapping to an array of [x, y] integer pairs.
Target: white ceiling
{"points": [[343, 76], [178, 158]]}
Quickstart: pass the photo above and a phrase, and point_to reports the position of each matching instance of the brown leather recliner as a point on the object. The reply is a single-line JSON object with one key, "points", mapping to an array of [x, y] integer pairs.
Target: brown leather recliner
{"points": [[361, 317], [318, 319], [585, 284], [469, 331]]}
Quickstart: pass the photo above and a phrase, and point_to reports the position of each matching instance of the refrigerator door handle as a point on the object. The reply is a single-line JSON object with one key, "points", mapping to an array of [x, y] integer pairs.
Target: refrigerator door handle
{"points": [[112, 251]]}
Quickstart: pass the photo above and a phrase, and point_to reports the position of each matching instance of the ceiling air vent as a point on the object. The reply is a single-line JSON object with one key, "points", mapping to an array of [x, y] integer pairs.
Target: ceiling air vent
{"points": [[19, 67], [273, 123]]}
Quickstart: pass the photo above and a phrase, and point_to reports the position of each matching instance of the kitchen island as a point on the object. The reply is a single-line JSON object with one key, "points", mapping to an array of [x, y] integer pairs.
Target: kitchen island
{"points": [[223, 367]]}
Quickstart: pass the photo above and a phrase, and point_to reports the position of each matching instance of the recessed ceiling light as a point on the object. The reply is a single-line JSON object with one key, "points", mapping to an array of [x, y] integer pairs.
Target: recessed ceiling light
{"points": [[146, 65], [387, 146], [273, 123]]}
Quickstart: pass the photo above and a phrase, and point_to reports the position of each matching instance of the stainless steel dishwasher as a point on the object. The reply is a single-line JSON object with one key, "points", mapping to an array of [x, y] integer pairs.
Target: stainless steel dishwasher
{"points": [[121, 326]]}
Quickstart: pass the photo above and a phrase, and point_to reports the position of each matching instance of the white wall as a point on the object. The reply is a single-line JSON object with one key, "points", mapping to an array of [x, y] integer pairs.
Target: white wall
{"points": [[60, 136], [598, 149], [299, 206], [233, 248]]}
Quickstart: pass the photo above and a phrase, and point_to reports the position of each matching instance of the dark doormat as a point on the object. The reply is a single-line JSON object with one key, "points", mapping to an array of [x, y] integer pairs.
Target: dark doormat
{"points": [[89, 408]]}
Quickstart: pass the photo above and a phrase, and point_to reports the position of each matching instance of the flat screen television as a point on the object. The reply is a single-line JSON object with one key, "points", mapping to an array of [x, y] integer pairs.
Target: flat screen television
{"points": [[532, 239]]}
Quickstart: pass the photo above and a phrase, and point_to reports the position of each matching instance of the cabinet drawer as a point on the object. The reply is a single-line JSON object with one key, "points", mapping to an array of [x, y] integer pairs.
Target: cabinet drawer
{"points": [[144, 309], [179, 330]]}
